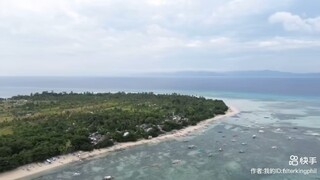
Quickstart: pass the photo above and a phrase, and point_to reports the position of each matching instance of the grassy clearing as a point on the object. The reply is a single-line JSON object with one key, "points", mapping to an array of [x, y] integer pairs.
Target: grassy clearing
{"points": [[6, 131], [5, 117]]}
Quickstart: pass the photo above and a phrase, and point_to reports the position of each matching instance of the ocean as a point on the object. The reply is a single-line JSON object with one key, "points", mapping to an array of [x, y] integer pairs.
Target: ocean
{"points": [[229, 86], [279, 121]]}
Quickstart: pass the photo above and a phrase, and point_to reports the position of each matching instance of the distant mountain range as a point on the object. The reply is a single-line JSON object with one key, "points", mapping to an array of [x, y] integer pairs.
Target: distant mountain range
{"points": [[265, 73]]}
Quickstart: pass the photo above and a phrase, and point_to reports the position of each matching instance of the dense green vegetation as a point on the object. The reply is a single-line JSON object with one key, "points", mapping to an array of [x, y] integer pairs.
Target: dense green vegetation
{"points": [[42, 125]]}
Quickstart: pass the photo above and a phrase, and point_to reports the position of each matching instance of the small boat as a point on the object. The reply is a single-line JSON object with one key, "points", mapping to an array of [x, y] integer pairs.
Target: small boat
{"points": [[108, 178]]}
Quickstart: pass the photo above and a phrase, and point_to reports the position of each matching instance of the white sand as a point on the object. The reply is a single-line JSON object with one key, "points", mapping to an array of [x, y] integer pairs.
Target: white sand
{"points": [[36, 168]]}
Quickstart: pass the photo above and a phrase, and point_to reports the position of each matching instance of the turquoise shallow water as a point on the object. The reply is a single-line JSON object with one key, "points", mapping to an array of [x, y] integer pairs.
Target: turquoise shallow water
{"points": [[282, 128]]}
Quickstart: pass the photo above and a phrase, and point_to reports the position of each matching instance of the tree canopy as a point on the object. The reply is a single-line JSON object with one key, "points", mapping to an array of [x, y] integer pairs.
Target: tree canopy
{"points": [[42, 125]]}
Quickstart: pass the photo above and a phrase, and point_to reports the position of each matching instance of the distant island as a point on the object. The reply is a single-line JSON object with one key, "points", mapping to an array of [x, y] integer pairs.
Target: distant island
{"points": [[243, 74], [40, 126]]}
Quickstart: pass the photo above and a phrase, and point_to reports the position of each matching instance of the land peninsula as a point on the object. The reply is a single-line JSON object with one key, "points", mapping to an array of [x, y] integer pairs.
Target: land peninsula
{"points": [[35, 128]]}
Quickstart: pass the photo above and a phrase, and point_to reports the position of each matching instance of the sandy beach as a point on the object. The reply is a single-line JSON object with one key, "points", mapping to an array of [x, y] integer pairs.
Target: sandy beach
{"points": [[37, 168]]}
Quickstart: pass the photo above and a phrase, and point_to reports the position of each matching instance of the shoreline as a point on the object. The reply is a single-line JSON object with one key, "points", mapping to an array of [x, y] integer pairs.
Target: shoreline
{"points": [[33, 169]]}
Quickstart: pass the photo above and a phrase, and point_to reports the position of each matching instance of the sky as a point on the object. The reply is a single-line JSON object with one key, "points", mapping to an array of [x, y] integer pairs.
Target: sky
{"points": [[121, 37]]}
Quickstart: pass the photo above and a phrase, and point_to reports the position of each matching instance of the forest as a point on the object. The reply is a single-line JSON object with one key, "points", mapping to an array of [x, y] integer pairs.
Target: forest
{"points": [[39, 126]]}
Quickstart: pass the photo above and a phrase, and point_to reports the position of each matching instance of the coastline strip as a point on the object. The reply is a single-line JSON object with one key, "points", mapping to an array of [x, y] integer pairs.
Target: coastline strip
{"points": [[37, 168]]}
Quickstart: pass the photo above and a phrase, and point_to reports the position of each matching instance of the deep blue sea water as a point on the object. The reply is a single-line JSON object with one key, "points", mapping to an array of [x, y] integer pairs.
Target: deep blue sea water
{"points": [[224, 86], [283, 113]]}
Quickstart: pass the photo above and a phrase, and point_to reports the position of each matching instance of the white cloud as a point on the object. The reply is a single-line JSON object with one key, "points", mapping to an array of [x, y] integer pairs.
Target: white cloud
{"points": [[220, 41], [195, 43], [281, 43], [108, 35], [293, 22], [156, 2], [235, 10]]}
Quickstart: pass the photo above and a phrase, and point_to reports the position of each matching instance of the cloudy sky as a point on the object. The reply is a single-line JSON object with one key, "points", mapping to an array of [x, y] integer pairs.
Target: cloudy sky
{"points": [[118, 37]]}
